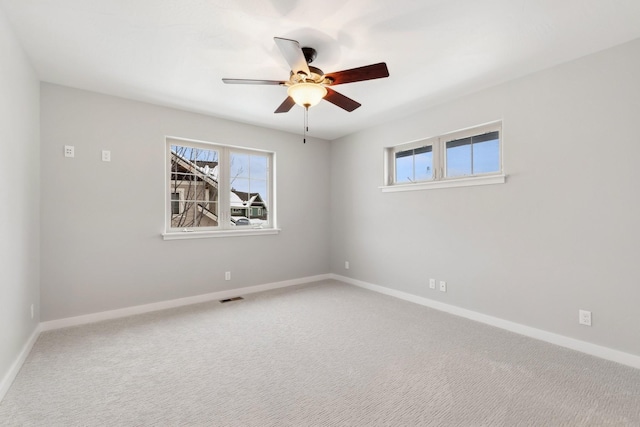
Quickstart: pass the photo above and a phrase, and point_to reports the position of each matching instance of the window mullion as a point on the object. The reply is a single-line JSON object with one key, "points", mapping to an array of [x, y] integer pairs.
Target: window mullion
{"points": [[224, 202], [271, 219], [413, 166], [389, 166], [472, 170], [438, 161]]}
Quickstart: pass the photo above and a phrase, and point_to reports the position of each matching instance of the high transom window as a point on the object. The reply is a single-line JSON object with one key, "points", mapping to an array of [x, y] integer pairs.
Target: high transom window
{"points": [[468, 157]]}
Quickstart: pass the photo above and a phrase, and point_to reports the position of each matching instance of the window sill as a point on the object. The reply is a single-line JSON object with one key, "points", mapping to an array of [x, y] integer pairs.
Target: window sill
{"points": [[447, 183], [179, 235]]}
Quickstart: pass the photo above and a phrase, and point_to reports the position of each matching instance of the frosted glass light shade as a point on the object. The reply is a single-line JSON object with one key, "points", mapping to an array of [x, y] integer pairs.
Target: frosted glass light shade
{"points": [[307, 94]]}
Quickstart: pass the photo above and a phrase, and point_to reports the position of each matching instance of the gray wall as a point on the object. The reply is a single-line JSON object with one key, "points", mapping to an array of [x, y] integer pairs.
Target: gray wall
{"points": [[19, 192], [560, 235], [102, 222]]}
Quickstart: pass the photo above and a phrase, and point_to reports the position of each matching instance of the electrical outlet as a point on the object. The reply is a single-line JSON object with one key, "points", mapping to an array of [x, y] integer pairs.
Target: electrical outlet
{"points": [[106, 155], [432, 283], [227, 275], [346, 265], [584, 317], [443, 286], [69, 151]]}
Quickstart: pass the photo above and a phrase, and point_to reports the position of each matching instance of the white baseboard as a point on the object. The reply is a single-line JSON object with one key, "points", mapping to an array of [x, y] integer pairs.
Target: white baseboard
{"points": [[17, 364], [550, 337], [162, 305]]}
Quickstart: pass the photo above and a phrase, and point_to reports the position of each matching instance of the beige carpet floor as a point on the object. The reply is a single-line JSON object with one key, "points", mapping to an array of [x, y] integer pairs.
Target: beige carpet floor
{"points": [[324, 354]]}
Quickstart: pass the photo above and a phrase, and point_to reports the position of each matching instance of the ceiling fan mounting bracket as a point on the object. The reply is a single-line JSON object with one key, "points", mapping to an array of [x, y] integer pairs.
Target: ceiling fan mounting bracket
{"points": [[309, 54]]}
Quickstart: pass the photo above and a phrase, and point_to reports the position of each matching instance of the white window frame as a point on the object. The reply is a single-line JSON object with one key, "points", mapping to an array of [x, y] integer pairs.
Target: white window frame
{"points": [[439, 153], [224, 229]]}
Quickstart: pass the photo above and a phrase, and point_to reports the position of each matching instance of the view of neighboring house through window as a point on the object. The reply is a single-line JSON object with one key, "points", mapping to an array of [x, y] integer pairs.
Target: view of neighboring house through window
{"points": [[249, 175], [216, 187], [177, 202], [194, 187]]}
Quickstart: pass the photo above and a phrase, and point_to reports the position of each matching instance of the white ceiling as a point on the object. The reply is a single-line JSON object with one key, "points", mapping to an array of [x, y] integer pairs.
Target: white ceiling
{"points": [[175, 52]]}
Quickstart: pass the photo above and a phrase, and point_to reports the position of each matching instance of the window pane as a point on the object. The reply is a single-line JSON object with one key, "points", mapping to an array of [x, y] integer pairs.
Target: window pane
{"points": [[258, 167], [207, 214], [239, 166], [205, 160], [175, 203], [423, 165], [179, 177], [249, 189], [185, 218], [459, 157], [404, 166], [486, 153], [196, 213], [261, 202], [194, 187], [197, 190], [183, 152]]}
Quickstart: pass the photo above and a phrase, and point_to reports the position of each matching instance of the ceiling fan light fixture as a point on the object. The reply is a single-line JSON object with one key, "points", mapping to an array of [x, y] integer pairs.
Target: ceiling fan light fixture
{"points": [[307, 94]]}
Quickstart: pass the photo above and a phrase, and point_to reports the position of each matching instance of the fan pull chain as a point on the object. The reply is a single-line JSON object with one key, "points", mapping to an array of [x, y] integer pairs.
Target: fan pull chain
{"points": [[306, 124]]}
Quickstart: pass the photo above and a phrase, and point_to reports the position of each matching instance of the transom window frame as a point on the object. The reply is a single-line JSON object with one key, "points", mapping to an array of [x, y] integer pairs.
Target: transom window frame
{"points": [[224, 185], [439, 178]]}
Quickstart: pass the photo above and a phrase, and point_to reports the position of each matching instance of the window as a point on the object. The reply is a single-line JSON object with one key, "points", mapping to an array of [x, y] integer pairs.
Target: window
{"points": [[415, 164], [469, 157], [217, 189], [473, 155]]}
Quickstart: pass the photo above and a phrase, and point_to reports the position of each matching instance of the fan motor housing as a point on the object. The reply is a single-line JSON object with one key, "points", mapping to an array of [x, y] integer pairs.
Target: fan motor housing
{"points": [[309, 54]]}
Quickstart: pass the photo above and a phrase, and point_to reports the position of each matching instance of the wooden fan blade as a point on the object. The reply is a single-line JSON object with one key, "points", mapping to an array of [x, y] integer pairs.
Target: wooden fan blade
{"points": [[286, 105], [368, 72], [292, 52], [341, 101], [252, 82]]}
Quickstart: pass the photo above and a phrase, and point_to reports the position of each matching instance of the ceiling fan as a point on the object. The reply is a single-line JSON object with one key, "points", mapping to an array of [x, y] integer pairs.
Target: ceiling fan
{"points": [[308, 85]]}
